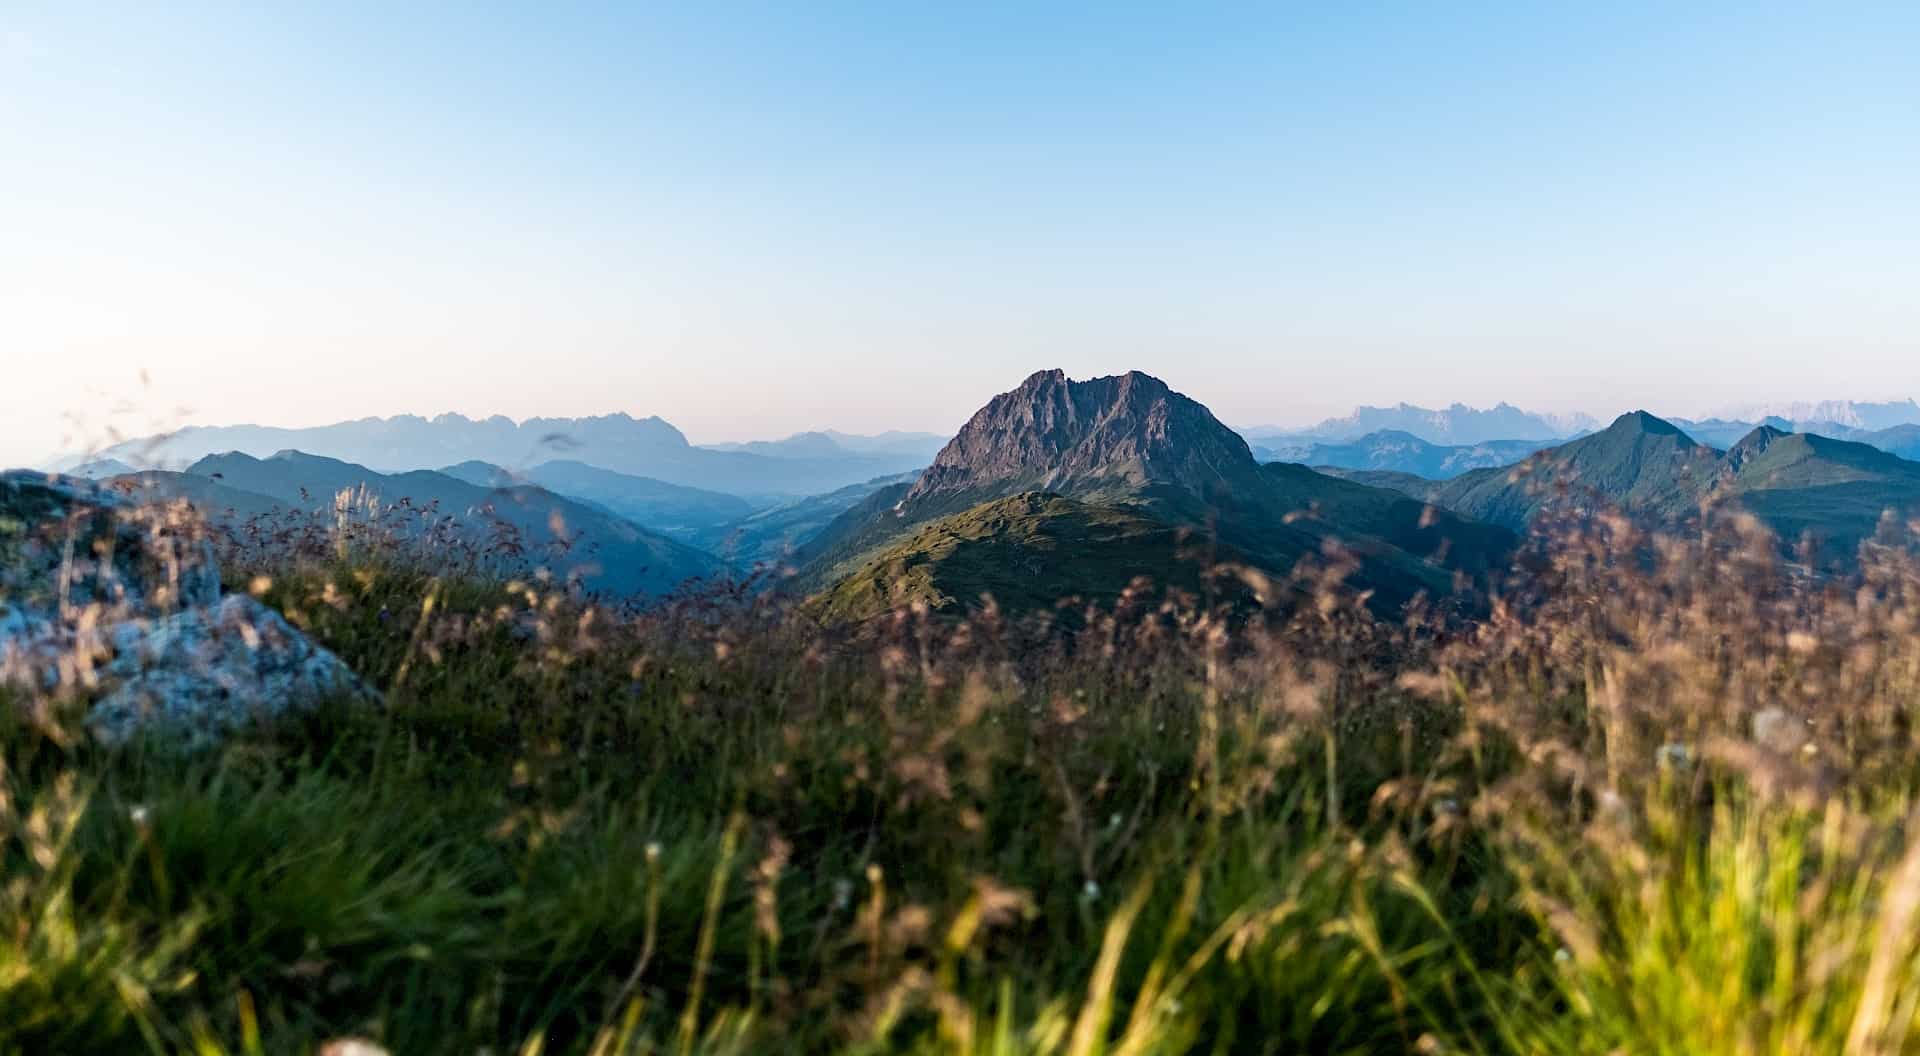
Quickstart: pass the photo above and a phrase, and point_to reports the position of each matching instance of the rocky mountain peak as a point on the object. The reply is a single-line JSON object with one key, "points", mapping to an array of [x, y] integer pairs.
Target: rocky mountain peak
{"points": [[1058, 434], [1751, 446]]}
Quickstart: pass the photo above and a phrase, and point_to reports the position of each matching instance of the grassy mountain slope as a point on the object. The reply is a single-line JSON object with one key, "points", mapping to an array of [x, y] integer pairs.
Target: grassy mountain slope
{"points": [[1639, 462], [1028, 552], [1804, 486], [1831, 492], [1350, 510]]}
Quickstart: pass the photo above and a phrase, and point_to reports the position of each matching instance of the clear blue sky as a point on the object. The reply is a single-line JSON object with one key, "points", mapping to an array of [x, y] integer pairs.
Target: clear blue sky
{"points": [[753, 219]]}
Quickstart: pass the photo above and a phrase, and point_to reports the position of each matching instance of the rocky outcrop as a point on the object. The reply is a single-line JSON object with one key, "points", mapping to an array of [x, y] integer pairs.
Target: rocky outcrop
{"points": [[1076, 437], [119, 604]]}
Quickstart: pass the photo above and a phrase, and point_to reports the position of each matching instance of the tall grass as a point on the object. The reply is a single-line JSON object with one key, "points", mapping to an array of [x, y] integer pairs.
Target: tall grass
{"points": [[1659, 802]]}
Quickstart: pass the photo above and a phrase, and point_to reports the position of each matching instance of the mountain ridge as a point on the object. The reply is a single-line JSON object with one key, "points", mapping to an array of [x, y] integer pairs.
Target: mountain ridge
{"points": [[608, 554], [1130, 443], [1804, 486], [644, 447], [1454, 425]]}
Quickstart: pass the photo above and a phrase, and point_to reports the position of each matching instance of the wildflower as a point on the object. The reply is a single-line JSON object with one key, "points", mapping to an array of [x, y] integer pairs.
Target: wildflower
{"points": [[1091, 891], [138, 814]]}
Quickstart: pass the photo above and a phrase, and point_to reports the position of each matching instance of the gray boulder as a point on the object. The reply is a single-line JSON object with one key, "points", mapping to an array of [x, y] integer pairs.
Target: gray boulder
{"points": [[120, 604]]}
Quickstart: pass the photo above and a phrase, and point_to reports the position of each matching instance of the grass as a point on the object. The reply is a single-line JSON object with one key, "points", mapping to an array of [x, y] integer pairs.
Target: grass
{"points": [[1662, 801]]}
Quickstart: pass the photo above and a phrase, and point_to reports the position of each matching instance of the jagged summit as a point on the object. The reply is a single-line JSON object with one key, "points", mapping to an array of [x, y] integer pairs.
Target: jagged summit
{"points": [[1752, 446], [1056, 434]]}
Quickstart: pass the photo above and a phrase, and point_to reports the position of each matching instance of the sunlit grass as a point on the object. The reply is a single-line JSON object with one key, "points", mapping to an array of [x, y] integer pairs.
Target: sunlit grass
{"points": [[1659, 803]]}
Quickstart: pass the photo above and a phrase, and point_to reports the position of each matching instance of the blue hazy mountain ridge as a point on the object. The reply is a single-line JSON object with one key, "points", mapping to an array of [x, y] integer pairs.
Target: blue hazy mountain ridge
{"points": [[1724, 432], [1399, 452], [1863, 415], [606, 553], [642, 447], [773, 537], [829, 443], [1902, 440], [1454, 425], [670, 509]]}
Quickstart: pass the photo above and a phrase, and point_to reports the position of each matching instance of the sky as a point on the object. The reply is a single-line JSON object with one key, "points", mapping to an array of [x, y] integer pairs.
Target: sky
{"points": [[753, 219]]}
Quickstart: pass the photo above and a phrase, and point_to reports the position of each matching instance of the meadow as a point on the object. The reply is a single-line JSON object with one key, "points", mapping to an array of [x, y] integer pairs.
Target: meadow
{"points": [[1660, 800]]}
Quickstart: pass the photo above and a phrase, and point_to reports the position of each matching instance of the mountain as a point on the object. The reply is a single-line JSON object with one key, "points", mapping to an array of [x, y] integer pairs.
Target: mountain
{"points": [[670, 509], [609, 554], [1807, 486], [215, 500], [1724, 433], [922, 446], [774, 536], [1902, 440], [1114, 435], [1853, 414], [1802, 485], [1454, 426], [1398, 452], [1129, 443], [1640, 462], [913, 450], [643, 447], [100, 469]]}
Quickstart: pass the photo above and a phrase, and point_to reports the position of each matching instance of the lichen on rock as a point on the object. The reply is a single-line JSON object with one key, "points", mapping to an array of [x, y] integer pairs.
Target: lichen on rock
{"points": [[120, 604]]}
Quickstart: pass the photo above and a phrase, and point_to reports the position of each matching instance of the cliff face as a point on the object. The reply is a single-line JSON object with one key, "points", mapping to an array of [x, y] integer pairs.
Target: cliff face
{"points": [[1055, 434]]}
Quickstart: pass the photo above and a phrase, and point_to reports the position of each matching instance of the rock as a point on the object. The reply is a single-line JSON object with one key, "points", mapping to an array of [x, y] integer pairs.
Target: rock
{"points": [[121, 603], [206, 670], [70, 543]]}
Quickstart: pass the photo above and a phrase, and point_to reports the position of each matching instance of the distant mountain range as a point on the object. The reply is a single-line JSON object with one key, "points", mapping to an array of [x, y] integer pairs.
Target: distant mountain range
{"points": [[1853, 414], [1055, 488], [670, 509], [1144, 476], [606, 553], [1452, 426], [644, 447], [1804, 486], [830, 443], [1902, 440], [1397, 452]]}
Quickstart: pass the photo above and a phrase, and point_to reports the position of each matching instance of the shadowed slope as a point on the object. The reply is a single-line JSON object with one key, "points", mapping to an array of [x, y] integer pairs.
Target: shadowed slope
{"points": [[1027, 552]]}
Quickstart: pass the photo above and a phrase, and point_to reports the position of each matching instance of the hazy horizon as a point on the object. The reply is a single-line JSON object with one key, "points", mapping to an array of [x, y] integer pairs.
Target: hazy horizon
{"points": [[128, 430], [755, 223]]}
